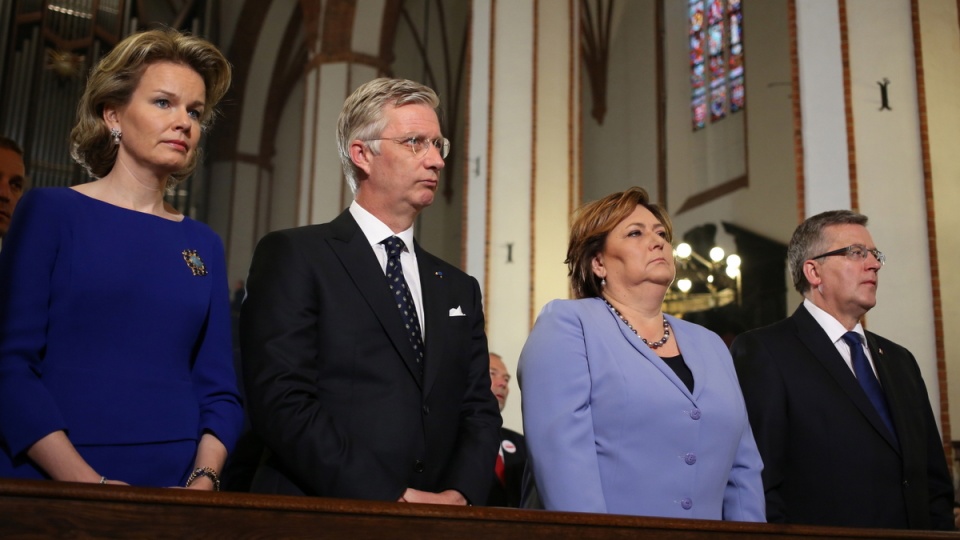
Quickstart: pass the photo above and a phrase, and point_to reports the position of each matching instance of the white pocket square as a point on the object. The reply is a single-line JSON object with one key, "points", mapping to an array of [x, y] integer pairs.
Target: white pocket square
{"points": [[457, 312]]}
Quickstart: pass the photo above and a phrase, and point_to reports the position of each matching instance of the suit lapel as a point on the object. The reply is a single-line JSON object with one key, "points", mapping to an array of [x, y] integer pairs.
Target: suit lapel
{"points": [[891, 384], [816, 341], [435, 311], [354, 251]]}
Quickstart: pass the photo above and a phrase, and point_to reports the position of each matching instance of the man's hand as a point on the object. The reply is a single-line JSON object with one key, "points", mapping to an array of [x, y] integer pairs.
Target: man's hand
{"points": [[450, 496]]}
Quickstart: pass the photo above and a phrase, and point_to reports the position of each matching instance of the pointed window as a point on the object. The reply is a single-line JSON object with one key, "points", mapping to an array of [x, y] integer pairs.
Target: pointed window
{"points": [[716, 59]]}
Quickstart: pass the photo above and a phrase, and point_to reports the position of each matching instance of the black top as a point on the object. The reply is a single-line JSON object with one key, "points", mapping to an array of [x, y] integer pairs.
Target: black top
{"points": [[680, 367]]}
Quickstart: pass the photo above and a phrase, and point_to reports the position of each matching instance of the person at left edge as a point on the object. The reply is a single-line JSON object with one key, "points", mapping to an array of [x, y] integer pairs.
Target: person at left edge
{"points": [[115, 356], [13, 179], [336, 387]]}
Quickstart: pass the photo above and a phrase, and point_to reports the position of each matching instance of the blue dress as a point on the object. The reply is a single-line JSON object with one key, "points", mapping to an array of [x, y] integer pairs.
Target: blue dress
{"points": [[115, 327]]}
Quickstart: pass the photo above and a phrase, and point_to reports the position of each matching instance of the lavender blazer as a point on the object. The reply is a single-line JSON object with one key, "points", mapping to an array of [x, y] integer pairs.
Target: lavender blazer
{"points": [[610, 428]]}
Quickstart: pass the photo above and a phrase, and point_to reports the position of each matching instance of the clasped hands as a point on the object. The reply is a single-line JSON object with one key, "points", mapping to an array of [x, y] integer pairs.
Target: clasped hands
{"points": [[450, 496]]}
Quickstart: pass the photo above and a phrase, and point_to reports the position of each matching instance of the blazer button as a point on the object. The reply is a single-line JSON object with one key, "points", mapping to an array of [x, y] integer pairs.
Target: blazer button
{"points": [[426, 409], [686, 503], [695, 414], [906, 483], [690, 459], [418, 466]]}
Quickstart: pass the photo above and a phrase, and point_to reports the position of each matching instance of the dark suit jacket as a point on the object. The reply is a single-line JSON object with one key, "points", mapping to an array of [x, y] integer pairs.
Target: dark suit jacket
{"points": [[333, 387], [508, 493], [828, 458]]}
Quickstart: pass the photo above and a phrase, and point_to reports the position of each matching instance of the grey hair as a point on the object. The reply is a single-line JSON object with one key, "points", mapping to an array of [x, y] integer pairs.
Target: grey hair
{"points": [[362, 115], [808, 241]]}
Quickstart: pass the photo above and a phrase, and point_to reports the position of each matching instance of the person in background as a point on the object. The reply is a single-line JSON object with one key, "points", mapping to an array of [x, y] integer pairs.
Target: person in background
{"points": [[627, 410], [512, 457], [364, 356], [115, 357], [13, 178], [236, 302], [841, 415]]}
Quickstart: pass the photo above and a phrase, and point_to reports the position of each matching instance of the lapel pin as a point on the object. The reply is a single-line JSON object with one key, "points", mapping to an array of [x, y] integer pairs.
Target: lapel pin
{"points": [[438, 274]]}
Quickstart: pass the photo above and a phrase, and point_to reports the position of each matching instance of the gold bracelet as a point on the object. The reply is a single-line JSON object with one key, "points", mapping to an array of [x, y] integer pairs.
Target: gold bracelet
{"points": [[205, 471]]}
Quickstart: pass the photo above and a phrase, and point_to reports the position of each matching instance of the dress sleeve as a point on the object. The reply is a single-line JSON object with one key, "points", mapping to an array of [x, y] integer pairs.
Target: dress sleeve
{"points": [[32, 249], [554, 375], [214, 376]]}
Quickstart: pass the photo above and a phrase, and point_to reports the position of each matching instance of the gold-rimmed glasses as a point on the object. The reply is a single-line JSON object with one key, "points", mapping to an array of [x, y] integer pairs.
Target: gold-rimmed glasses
{"points": [[420, 145]]}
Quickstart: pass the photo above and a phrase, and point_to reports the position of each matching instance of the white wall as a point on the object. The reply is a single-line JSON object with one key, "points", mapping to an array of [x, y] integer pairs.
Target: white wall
{"points": [[284, 196], [622, 152], [890, 175], [941, 46]]}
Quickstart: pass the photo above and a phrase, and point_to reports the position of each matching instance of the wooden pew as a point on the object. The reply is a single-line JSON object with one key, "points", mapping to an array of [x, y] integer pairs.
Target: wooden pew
{"points": [[32, 509]]}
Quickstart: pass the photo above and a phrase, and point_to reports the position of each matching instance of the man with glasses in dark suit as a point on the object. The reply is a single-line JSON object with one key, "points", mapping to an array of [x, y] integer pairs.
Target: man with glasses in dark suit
{"points": [[841, 415], [364, 356]]}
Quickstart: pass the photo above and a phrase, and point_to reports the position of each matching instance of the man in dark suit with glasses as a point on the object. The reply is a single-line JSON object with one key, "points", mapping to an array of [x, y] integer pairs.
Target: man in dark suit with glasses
{"points": [[841, 415], [364, 356]]}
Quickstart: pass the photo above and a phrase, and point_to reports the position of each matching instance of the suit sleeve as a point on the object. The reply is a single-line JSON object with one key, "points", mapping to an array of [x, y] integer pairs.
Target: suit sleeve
{"points": [[764, 393], [28, 412], [280, 356], [214, 377], [939, 482], [554, 374], [471, 470]]}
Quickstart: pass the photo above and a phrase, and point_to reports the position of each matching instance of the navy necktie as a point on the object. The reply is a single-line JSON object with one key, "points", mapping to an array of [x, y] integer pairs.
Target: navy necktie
{"points": [[402, 297], [867, 379]]}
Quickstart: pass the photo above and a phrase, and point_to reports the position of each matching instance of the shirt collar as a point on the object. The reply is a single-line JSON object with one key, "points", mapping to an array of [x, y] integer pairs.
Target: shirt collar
{"points": [[375, 230], [830, 325]]}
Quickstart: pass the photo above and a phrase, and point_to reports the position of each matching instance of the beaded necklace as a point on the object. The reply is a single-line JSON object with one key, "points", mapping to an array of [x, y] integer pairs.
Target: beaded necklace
{"points": [[655, 344]]}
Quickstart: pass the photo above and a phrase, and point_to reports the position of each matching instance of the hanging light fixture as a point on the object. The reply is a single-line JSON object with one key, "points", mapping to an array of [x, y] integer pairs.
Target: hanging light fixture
{"points": [[703, 282]]}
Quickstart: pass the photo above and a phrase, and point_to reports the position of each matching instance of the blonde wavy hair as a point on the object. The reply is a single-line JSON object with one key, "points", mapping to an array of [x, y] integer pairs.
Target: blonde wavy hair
{"points": [[115, 77]]}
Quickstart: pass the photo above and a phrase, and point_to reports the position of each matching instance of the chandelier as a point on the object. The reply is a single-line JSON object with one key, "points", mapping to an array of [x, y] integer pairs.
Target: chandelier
{"points": [[703, 282]]}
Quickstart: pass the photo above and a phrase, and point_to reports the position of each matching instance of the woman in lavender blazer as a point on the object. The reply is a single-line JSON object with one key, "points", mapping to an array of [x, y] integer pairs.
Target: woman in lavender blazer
{"points": [[627, 410]]}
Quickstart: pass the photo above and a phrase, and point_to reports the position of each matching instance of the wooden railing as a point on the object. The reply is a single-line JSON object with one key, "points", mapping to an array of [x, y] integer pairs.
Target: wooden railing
{"points": [[30, 509]]}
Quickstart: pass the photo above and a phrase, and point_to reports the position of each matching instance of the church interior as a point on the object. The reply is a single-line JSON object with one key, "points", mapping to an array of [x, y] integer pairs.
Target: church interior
{"points": [[741, 124]]}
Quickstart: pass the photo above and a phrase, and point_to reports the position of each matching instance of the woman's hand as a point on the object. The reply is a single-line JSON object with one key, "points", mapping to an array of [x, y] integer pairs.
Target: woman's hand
{"points": [[56, 455], [211, 455], [115, 483], [201, 483]]}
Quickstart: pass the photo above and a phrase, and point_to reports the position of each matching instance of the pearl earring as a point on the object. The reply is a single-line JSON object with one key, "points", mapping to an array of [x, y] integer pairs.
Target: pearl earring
{"points": [[116, 134]]}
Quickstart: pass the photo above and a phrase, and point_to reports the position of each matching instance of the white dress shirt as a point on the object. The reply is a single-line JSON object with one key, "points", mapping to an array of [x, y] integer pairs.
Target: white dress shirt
{"points": [[376, 231], [835, 332]]}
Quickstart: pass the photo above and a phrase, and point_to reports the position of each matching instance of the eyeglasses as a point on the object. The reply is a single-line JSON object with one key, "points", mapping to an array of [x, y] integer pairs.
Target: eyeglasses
{"points": [[420, 145], [855, 252]]}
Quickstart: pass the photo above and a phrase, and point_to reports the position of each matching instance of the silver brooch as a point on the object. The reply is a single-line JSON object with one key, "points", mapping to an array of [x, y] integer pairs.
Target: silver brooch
{"points": [[194, 262]]}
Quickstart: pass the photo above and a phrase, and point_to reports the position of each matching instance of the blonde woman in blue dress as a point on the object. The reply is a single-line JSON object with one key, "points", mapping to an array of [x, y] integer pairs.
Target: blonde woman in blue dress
{"points": [[115, 352]]}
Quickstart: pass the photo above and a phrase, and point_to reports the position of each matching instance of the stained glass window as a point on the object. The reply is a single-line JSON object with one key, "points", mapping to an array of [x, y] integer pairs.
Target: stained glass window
{"points": [[716, 59], [735, 15], [698, 77]]}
